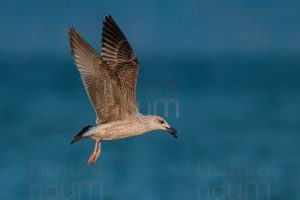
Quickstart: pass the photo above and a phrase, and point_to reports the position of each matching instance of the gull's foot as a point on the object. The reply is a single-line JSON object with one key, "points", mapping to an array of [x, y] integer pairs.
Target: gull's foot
{"points": [[93, 158]]}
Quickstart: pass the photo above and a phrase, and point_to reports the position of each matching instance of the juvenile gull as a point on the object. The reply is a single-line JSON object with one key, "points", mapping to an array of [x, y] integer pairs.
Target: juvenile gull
{"points": [[110, 82]]}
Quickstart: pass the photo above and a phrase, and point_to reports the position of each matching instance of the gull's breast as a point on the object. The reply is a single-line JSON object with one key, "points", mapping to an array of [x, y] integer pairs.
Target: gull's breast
{"points": [[120, 129]]}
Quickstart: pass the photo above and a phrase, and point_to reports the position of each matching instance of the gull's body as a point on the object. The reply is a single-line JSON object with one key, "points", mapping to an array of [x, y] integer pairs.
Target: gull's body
{"points": [[110, 82], [132, 126]]}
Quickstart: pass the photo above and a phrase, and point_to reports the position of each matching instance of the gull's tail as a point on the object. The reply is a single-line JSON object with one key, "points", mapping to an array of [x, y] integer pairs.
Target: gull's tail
{"points": [[80, 134]]}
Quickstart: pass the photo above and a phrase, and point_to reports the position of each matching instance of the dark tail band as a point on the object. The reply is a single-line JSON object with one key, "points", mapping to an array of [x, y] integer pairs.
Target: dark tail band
{"points": [[81, 132]]}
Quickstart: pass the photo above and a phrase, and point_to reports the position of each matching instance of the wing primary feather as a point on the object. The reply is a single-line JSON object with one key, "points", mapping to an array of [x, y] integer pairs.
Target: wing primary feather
{"points": [[102, 86], [118, 54]]}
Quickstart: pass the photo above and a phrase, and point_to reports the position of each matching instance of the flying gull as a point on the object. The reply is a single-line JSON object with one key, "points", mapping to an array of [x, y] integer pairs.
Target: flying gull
{"points": [[110, 82]]}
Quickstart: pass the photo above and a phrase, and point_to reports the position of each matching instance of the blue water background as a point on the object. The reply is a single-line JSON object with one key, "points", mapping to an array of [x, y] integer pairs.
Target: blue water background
{"points": [[232, 68]]}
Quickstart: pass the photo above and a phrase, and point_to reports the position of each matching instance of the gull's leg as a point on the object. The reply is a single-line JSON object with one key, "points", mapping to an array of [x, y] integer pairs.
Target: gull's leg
{"points": [[96, 153]]}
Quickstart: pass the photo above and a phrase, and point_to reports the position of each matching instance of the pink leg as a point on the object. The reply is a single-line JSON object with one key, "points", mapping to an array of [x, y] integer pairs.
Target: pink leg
{"points": [[96, 153]]}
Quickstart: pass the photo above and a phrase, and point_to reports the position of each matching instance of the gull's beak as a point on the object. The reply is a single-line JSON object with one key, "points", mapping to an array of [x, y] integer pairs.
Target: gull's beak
{"points": [[172, 131]]}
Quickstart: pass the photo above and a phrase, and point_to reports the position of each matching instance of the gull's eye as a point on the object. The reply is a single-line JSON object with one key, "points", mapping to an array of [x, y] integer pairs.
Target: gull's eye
{"points": [[161, 121]]}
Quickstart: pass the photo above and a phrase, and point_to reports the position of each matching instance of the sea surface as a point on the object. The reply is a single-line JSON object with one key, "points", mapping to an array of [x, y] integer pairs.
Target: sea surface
{"points": [[237, 117]]}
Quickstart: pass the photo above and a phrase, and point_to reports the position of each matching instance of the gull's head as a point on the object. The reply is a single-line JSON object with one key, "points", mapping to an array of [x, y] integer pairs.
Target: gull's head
{"points": [[158, 123]]}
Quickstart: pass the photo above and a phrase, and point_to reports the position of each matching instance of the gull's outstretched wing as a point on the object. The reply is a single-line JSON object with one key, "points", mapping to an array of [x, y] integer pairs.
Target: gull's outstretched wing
{"points": [[102, 86], [118, 54]]}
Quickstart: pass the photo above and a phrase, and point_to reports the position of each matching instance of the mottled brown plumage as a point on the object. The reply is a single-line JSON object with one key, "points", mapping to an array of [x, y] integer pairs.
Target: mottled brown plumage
{"points": [[110, 82], [118, 54]]}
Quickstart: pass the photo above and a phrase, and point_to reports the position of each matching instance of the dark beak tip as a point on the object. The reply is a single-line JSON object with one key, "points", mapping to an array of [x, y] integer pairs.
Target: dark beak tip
{"points": [[172, 131]]}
